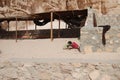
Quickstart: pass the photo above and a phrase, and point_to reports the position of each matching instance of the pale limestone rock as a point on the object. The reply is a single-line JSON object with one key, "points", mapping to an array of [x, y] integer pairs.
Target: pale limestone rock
{"points": [[57, 75], [9, 72], [66, 68], [106, 77], [76, 65], [94, 75], [76, 75], [88, 49], [69, 78], [77, 70], [111, 42], [45, 76]]}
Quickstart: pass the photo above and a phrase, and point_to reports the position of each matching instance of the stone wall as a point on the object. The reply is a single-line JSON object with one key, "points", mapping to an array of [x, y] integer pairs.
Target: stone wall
{"points": [[91, 40], [58, 71], [91, 37]]}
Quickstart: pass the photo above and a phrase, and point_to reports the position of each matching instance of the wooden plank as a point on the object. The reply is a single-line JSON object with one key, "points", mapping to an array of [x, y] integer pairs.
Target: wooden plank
{"points": [[27, 27], [16, 28], [8, 25], [35, 27], [51, 31], [59, 29]]}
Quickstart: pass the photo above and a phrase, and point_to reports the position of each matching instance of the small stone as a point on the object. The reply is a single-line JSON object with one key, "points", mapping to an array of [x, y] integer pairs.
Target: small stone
{"points": [[69, 78], [107, 36], [45, 76], [9, 72], [94, 75], [94, 38], [58, 75], [111, 41], [116, 41], [76, 75], [76, 65], [66, 68]]}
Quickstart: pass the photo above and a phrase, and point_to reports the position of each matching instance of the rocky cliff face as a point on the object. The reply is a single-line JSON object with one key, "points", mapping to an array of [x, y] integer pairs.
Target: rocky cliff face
{"points": [[23, 7]]}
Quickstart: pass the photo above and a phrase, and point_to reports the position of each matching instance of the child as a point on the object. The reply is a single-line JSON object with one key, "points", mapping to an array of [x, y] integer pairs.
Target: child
{"points": [[73, 45]]}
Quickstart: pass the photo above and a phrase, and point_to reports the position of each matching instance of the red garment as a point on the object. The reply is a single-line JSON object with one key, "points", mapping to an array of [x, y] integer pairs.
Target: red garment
{"points": [[75, 45]]}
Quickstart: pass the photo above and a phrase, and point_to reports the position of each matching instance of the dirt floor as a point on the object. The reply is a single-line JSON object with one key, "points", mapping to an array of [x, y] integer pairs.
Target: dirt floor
{"points": [[45, 50]]}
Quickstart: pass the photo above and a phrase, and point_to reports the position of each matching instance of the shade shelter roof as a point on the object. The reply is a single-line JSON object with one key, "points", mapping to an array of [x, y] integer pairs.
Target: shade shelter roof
{"points": [[46, 15]]}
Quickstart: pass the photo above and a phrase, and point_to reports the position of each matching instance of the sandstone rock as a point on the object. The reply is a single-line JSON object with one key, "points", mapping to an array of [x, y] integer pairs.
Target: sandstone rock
{"points": [[66, 71], [34, 73], [69, 78], [111, 42], [6, 64], [76, 75], [9, 72], [77, 70], [94, 75], [76, 65], [106, 77], [66, 68], [45, 76], [57, 76]]}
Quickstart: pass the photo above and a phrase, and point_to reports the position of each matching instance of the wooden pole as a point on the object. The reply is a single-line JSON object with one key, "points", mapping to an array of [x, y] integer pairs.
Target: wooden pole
{"points": [[59, 29], [51, 32], [16, 28], [66, 26], [35, 27], [8, 25], [27, 27]]}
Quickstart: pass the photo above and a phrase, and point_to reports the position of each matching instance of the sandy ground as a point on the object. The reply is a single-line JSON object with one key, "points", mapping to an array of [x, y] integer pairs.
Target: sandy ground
{"points": [[43, 50]]}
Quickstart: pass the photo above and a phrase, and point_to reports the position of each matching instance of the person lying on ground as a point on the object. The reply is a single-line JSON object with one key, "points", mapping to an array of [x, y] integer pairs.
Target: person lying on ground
{"points": [[72, 45]]}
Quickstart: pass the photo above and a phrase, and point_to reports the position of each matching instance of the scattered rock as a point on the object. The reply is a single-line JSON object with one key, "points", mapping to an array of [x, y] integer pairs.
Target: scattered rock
{"points": [[106, 77], [45, 76], [76, 65], [69, 78], [76, 75], [12, 71], [94, 75], [111, 42]]}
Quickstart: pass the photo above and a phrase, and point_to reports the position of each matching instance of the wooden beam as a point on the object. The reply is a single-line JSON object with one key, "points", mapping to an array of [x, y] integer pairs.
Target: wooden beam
{"points": [[35, 27], [16, 28], [51, 31], [8, 25], [27, 27], [66, 26], [59, 29]]}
